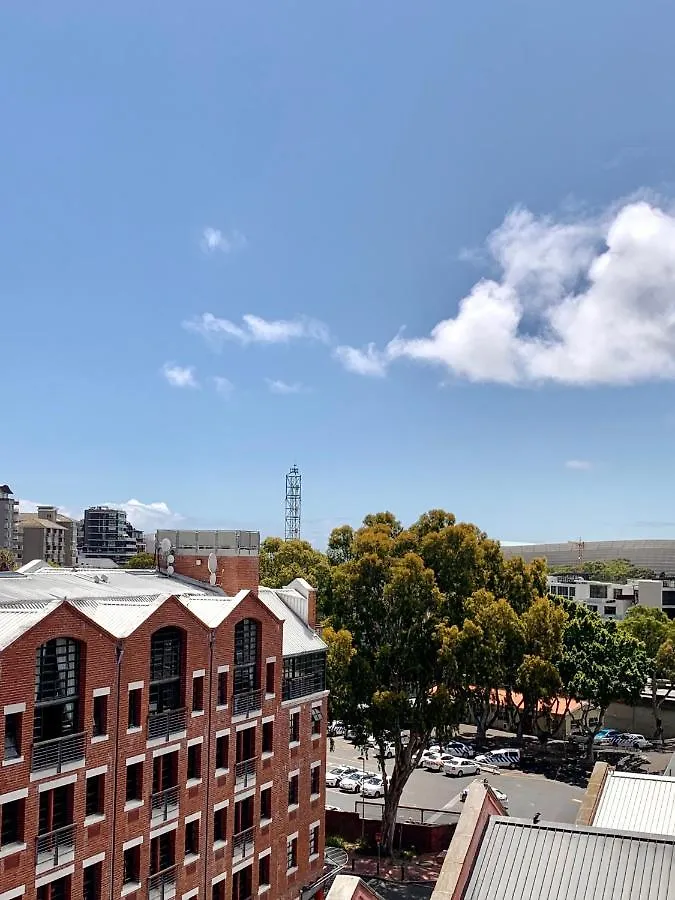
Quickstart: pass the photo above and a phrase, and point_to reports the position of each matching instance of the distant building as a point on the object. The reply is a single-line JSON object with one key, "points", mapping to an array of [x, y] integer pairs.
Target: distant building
{"points": [[9, 513], [611, 600], [659, 556], [105, 532], [48, 535]]}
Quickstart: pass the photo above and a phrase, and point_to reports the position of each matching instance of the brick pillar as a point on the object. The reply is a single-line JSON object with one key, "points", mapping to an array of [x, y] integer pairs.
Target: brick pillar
{"points": [[235, 573]]}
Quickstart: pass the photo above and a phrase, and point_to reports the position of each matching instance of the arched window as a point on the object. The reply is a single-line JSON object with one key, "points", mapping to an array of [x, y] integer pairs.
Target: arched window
{"points": [[246, 656], [57, 689], [166, 670]]}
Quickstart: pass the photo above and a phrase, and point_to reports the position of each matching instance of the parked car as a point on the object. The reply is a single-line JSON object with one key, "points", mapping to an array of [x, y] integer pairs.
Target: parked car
{"points": [[373, 787], [459, 748], [335, 775], [437, 762], [389, 750], [335, 729], [500, 795], [508, 758], [605, 735], [456, 766], [632, 741], [351, 783]]}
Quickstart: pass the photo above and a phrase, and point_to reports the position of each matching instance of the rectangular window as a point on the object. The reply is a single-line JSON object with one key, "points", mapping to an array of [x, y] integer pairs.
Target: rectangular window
{"points": [[162, 852], [13, 729], [266, 803], [55, 890], [315, 780], [100, 716], [220, 824], [597, 592], [222, 751], [91, 882], [269, 678], [198, 693], [313, 840], [610, 610], [222, 688], [303, 675], [291, 853], [12, 814], [268, 737], [131, 872], [294, 735], [135, 707], [264, 870], [192, 838], [293, 791], [316, 721], [95, 795], [194, 761], [135, 781], [218, 891]]}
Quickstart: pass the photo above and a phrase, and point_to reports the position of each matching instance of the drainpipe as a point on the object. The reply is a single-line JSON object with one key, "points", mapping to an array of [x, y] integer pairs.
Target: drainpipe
{"points": [[119, 653], [204, 831]]}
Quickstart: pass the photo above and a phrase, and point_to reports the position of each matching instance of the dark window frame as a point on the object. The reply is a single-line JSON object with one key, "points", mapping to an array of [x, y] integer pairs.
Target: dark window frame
{"points": [[94, 804], [58, 664]]}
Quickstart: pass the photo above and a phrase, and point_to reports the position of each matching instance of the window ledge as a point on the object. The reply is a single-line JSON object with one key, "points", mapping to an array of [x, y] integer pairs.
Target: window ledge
{"points": [[135, 729], [8, 849], [293, 744], [218, 845], [270, 696], [221, 706], [130, 887], [193, 782], [315, 737], [133, 804], [94, 819], [13, 762], [292, 807], [263, 888], [313, 857], [291, 871], [265, 822], [197, 712], [221, 772], [314, 797], [99, 738], [190, 858], [268, 754]]}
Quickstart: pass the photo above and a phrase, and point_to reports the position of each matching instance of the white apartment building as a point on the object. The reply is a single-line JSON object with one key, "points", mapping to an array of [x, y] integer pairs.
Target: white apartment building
{"points": [[612, 600]]}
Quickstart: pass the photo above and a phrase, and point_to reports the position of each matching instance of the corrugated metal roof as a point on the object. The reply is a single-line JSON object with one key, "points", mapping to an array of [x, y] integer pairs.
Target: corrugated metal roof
{"points": [[298, 636], [521, 860], [638, 802], [15, 621], [212, 610]]}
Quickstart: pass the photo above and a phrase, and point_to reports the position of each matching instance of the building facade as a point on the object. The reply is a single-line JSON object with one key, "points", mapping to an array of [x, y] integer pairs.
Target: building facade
{"points": [[611, 600], [47, 535], [657, 555], [162, 738], [9, 514], [105, 533]]}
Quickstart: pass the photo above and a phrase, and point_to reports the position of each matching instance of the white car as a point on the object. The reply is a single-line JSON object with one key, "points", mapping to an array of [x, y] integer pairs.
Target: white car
{"points": [[373, 787], [334, 776], [508, 758], [351, 784], [632, 741], [432, 753], [456, 767], [458, 748], [437, 762]]}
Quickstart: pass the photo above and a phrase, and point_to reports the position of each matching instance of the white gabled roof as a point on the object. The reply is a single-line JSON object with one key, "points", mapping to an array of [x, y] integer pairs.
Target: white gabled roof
{"points": [[298, 636], [636, 801]]}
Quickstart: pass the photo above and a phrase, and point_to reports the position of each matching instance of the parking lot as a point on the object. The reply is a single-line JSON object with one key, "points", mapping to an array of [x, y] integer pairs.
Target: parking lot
{"points": [[527, 793]]}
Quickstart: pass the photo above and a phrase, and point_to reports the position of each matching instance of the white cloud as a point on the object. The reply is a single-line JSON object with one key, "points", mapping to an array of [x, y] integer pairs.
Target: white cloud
{"points": [[148, 516], [368, 361], [277, 386], [256, 330], [582, 302], [216, 241], [180, 376], [580, 465], [223, 385]]}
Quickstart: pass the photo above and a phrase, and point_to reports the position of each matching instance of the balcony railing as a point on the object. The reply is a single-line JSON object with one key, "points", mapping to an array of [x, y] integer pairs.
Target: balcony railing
{"points": [[164, 724], [249, 702], [244, 773], [293, 688], [55, 847], [164, 804], [57, 752], [243, 844], [162, 885]]}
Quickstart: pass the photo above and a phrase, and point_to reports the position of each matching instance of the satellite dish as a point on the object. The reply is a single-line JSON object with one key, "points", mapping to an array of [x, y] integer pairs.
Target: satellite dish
{"points": [[169, 570], [212, 578], [212, 563], [165, 545], [170, 558]]}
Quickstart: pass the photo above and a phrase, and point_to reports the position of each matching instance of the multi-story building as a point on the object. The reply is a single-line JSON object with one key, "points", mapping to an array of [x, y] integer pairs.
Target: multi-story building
{"points": [[47, 535], [9, 513], [164, 733], [106, 534], [613, 600], [657, 555]]}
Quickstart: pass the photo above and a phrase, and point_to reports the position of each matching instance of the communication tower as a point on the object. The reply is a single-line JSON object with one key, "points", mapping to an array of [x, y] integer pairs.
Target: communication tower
{"points": [[293, 504]]}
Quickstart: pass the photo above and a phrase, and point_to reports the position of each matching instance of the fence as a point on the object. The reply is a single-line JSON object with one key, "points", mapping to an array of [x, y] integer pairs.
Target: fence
{"points": [[424, 838], [412, 815]]}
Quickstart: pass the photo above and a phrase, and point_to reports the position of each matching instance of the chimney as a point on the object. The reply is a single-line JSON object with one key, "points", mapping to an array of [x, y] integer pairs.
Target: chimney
{"points": [[308, 612], [227, 559]]}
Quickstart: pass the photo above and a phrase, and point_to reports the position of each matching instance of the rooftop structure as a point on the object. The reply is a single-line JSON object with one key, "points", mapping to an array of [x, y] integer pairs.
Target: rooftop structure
{"points": [[613, 600], [657, 555], [636, 801], [9, 513], [48, 535], [106, 533]]}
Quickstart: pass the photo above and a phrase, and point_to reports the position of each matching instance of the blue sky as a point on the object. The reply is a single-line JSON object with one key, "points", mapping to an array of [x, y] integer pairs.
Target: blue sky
{"points": [[425, 250]]}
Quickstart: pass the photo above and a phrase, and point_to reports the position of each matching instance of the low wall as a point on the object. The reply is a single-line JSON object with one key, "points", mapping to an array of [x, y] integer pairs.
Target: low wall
{"points": [[640, 719], [409, 835]]}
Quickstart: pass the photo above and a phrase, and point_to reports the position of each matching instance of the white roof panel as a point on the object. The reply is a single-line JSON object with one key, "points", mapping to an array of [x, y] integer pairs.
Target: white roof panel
{"points": [[298, 636], [637, 802]]}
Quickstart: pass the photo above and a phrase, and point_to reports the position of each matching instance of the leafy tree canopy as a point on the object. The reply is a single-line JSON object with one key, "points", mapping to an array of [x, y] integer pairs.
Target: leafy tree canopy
{"points": [[282, 561], [617, 570], [141, 561], [7, 561]]}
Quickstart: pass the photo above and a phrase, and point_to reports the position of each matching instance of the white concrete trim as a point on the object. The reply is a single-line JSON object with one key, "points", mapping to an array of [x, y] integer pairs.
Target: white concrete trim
{"points": [[188, 895], [266, 786], [291, 871], [270, 659], [50, 773], [94, 819], [99, 857], [99, 738], [316, 824], [193, 817], [57, 783], [199, 673], [14, 893], [245, 725], [196, 713], [294, 774], [11, 849], [13, 762], [264, 853], [136, 685], [133, 804], [319, 695], [132, 842], [221, 804], [52, 876], [296, 709], [194, 741], [99, 770], [135, 729], [19, 794], [222, 669], [263, 888], [292, 837], [164, 829], [222, 733], [317, 704], [193, 782], [10, 710], [133, 760], [267, 719], [315, 765], [216, 878], [313, 857], [242, 864], [162, 751], [101, 692], [249, 792]]}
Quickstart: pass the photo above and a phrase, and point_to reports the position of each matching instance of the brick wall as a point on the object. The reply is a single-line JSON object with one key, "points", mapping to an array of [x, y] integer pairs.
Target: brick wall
{"points": [[235, 573]]}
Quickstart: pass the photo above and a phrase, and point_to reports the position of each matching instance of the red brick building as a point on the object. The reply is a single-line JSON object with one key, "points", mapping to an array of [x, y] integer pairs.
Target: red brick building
{"points": [[164, 732]]}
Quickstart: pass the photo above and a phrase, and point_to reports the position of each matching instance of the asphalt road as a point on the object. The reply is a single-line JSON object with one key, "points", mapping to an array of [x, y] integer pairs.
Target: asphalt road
{"points": [[527, 793]]}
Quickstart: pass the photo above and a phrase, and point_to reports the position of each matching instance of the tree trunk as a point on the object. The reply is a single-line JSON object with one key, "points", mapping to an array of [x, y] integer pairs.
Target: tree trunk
{"points": [[404, 766]]}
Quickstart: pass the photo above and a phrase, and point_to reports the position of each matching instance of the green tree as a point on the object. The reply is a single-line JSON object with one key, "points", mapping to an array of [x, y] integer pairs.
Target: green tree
{"points": [[7, 561], [340, 653], [340, 545], [655, 631], [617, 570], [282, 561], [141, 561]]}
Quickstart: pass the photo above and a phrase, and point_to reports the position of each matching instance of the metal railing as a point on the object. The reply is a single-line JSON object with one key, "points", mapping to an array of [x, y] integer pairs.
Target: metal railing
{"points": [[164, 724], [251, 701], [292, 688], [164, 804], [55, 847], [244, 773], [243, 843], [57, 752], [163, 884]]}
